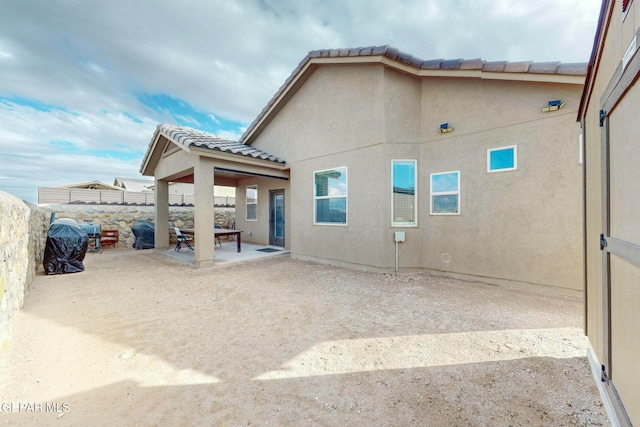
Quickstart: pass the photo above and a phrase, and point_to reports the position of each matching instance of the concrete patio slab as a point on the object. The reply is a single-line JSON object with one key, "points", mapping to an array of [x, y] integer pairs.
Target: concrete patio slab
{"points": [[227, 253]]}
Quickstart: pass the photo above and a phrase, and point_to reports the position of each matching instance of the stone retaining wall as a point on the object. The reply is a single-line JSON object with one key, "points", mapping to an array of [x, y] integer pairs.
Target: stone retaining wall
{"points": [[122, 218], [23, 234]]}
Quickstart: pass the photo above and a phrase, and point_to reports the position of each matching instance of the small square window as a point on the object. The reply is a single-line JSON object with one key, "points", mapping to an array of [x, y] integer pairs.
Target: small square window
{"points": [[502, 159]]}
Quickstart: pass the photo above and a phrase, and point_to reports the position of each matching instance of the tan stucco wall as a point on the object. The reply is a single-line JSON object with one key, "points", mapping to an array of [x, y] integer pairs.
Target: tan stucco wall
{"points": [[402, 107], [362, 241], [526, 224], [338, 109], [362, 117], [258, 231]]}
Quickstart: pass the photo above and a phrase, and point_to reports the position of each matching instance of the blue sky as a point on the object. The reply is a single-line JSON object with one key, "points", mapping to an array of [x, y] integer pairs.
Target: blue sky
{"points": [[84, 84]]}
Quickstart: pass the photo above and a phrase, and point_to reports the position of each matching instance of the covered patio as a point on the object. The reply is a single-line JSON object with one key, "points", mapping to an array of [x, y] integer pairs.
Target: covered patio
{"points": [[178, 154], [226, 254]]}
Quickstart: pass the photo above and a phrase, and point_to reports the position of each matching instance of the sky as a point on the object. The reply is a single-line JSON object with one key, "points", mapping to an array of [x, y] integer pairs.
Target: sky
{"points": [[83, 84]]}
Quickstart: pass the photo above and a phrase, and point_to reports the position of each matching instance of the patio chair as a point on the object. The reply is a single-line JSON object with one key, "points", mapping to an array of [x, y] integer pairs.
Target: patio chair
{"points": [[182, 238], [217, 237], [231, 225]]}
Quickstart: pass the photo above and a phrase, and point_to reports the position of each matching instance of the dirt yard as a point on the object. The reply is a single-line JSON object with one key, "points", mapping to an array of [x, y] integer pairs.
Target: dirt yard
{"points": [[142, 340]]}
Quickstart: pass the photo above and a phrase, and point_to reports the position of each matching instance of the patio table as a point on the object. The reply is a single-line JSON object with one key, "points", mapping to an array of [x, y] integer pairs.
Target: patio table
{"points": [[219, 232]]}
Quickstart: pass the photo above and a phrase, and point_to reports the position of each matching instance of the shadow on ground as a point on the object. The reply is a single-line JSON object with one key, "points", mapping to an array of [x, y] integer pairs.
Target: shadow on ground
{"points": [[142, 339]]}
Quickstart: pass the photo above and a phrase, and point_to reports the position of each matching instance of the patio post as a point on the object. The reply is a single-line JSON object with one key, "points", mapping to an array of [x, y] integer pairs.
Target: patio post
{"points": [[161, 214], [204, 211]]}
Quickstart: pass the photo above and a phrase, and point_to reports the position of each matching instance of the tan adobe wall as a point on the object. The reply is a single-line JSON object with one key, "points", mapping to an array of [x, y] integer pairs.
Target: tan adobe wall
{"points": [[23, 230]]}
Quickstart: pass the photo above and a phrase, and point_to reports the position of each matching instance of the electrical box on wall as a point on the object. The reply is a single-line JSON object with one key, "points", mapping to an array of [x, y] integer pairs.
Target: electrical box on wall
{"points": [[399, 236]]}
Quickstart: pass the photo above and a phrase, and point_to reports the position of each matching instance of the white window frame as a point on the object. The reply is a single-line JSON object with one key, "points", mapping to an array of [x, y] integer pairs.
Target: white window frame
{"points": [[346, 197], [246, 198], [515, 159], [444, 193], [415, 195]]}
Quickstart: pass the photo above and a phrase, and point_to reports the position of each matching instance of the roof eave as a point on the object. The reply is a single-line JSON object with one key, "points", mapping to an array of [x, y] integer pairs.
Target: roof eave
{"points": [[312, 62], [237, 158], [146, 163]]}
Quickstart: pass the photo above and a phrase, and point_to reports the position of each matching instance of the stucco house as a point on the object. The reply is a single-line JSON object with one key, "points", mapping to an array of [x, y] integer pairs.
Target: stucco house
{"points": [[477, 162], [609, 113]]}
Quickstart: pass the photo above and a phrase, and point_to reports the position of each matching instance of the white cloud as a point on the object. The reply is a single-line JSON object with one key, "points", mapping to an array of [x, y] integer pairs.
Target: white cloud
{"points": [[227, 59]]}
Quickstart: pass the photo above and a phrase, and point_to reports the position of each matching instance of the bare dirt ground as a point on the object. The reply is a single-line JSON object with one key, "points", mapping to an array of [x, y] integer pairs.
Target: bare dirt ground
{"points": [[142, 340]]}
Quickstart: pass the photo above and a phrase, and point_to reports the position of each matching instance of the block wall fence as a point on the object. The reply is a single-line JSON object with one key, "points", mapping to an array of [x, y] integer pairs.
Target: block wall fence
{"points": [[23, 235]]}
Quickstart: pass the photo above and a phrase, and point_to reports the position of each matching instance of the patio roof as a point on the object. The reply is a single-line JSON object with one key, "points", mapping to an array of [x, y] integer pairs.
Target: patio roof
{"points": [[188, 138]]}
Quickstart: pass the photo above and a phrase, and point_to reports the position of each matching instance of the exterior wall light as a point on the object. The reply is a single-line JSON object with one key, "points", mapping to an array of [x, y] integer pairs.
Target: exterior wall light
{"points": [[553, 106], [444, 128]]}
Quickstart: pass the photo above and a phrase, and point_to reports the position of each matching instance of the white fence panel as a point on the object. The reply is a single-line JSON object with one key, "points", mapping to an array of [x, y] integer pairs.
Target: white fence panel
{"points": [[224, 201], [52, 196], [175, 199], [111, 196], [81, 195], [132, 198], [189, 199]]}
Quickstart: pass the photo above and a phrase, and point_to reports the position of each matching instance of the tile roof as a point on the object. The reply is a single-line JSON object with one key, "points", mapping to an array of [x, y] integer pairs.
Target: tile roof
{"points": [[187, 137], [528, 67]]}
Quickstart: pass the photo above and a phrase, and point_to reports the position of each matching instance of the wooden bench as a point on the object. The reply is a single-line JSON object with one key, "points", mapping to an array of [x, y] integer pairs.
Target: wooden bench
{"points": [[109, 237]]}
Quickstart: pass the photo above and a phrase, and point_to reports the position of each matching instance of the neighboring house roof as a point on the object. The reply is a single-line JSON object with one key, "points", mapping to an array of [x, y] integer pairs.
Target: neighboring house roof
{"points": [[186, 138], [394, 58], [134, 184], [93, 185]]}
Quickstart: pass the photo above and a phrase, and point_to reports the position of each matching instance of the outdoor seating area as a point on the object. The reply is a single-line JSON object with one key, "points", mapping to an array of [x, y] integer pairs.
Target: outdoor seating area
{"points": [[182, 239]]}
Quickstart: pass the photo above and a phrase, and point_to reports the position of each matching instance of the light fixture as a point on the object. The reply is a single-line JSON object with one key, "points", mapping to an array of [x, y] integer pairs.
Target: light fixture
{"points": [[553, 106], [444, 128]]}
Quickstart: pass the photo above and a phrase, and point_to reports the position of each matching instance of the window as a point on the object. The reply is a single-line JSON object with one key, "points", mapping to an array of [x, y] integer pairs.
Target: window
{"points": [[625, 5], [252, 203], [445, 193], [403, 188], [502, 159], [330, 196]]}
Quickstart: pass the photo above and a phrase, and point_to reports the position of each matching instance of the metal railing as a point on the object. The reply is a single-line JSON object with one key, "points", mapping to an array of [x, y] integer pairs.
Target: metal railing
{"points": [[53, 195]]}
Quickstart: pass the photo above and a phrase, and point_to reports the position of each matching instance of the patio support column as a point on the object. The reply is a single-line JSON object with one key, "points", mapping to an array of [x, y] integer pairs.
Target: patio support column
{"points": [[162, 214], [204, 212]]}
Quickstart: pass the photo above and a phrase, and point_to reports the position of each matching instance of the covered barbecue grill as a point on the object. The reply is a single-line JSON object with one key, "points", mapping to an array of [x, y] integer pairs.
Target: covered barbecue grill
{"points": [[144, 231], [66, 247]]}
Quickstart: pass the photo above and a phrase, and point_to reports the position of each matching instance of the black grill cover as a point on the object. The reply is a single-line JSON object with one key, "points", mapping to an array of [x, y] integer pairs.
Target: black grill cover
{"points": [[66, 247], [145, 235]]}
